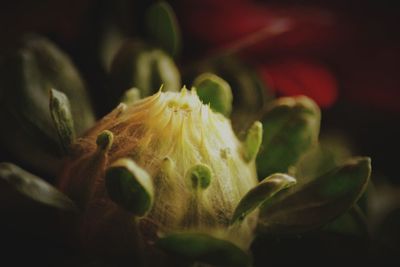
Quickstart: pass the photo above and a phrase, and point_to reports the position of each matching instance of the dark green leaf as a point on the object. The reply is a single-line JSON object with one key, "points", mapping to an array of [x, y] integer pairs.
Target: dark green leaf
{"points": [[60, 111], [197, 247], [353, 222], [26, 75], [33, 187], [215, 91], [261, 193], [163, 27], [130, 186], [318, 202], [291, 127]]}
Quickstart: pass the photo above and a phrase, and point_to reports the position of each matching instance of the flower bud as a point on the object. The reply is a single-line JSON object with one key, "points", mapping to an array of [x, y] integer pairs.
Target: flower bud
{"points": [[174, 164]]}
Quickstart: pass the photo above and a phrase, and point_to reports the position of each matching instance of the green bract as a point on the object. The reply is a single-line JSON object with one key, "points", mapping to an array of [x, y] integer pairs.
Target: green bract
{"points": [[27, 76]]}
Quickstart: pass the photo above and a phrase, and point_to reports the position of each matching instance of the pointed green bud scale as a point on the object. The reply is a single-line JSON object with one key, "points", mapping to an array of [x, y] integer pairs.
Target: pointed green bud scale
{"points": [[199, 176], [318, 202], [291, 128], [163, 27], [60, 111], [34, 188], [105, 140], [130, 186], [203, 248], [253, 141], [131, 96], [261, 193], [215, 91]]}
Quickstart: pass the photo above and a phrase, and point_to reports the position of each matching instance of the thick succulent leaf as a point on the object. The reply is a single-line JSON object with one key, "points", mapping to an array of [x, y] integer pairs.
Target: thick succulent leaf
{"points": [[215, 91], [163, 27], [291, 127], [198, 247], [249, 94], [26, 75], [318, 202], [130, 186], [315, 163], [252, 142], [144, 67], [261, 193], [60, 111], [33, 187]]}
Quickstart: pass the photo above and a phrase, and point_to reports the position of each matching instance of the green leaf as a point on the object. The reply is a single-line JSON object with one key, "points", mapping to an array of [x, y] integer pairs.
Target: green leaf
{"points": [[144, 67], [261, 193], [27, 73], [33, 187], [60, 111], [291, 127], [253, 141], [314, 204], [130, 186], [215, 91], [198, 247], [353, 222], [163, 27]]}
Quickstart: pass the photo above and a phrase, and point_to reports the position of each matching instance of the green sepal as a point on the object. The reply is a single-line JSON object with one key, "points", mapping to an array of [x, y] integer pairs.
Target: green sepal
{"points": [[291, 127], [203, 248], [27, 73], [253, 141], [61, 115], [139, 65], [130, 186], [131, 96], [199, 176], [163, 27], [318, 202], [34, 187], [215, 91], [261, 193]]}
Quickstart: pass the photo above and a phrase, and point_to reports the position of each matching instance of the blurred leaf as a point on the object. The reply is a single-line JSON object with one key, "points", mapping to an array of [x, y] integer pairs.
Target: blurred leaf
{"points": [[197, 247], [163, 27], [314, 204], [60, 111], [26, 75], [261, 193], [215, 91], [144, 67], [291, 127], [34, 188], [313, 164], [131, 96], [353, 222]]}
